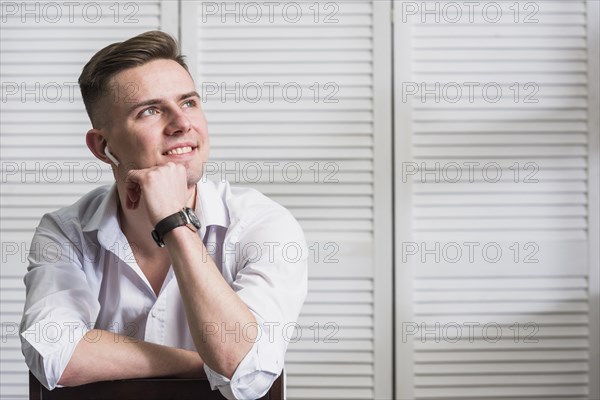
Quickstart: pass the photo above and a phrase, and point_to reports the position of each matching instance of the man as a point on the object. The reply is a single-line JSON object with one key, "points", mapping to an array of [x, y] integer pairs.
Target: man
{"points": [[109, 301]]}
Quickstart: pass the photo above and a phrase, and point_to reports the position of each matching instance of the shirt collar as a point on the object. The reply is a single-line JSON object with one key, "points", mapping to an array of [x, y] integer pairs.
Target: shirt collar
{"points": [[209, 208], [105, 215], [105, 220]]}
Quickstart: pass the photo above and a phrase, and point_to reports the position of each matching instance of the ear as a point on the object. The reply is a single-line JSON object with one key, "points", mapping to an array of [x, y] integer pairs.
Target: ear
{"points": [[96, 143]]}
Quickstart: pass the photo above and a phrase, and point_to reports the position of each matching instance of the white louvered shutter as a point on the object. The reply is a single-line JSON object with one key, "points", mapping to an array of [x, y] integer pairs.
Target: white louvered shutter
{"points": [[315, 155], [45, 162], [485, 324]]}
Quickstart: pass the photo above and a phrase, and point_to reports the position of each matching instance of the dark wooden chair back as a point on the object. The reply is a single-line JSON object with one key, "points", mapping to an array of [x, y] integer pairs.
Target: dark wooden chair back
{"points": [[142, 389]]}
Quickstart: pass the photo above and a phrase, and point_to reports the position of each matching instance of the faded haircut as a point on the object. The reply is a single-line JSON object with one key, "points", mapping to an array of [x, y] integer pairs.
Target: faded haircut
{"points": [[95, 77]]}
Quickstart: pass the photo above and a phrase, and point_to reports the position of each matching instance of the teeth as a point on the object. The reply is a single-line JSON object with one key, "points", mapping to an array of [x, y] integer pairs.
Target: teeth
{"points": [[180, 150]]}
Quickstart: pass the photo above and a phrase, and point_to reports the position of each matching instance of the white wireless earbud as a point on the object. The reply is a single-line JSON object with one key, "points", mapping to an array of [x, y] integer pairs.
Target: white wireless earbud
{"points": [[110, 156]]}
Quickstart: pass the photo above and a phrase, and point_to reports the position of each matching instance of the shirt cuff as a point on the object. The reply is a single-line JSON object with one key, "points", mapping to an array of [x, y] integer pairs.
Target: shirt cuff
{"points": [[48, 347], [254, 375]]}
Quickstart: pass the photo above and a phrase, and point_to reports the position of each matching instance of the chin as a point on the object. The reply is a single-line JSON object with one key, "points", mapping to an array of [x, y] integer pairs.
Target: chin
{"points": [[193, 178], [194, 171]]}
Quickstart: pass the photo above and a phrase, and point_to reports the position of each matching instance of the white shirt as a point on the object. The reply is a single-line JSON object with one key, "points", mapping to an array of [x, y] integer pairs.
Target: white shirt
{"points": [[82, 275]]}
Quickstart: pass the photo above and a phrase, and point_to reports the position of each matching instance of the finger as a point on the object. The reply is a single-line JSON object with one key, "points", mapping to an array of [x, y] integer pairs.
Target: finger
{"points": [[132, 192], [134, 176], [132, 196]]}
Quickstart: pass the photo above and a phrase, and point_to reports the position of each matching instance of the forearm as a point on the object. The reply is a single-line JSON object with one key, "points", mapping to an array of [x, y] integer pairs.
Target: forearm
{"points": [[211, 306], [103, 355]]}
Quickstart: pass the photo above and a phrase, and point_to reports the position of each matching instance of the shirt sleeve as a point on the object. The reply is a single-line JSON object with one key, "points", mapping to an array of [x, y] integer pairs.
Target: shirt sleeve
{"points": [[254, 375], [273, 284], [59, 306]]}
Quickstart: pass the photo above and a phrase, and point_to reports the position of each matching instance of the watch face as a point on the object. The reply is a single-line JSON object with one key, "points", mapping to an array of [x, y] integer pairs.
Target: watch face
{"points": [[193, 218]]}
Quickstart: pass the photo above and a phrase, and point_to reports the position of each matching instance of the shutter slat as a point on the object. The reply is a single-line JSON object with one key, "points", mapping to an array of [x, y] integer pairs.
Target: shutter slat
{"points": [[422, 357]]}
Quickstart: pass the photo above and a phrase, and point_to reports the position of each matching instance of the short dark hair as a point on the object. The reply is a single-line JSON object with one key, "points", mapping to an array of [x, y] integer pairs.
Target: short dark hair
{"points": [[114, 58]]}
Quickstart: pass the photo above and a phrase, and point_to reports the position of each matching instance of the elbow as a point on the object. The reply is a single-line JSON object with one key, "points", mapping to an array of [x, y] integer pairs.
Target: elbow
{"points": [[227, 361], [74, 375], [226, 367], [69, 377], [227, 364]]}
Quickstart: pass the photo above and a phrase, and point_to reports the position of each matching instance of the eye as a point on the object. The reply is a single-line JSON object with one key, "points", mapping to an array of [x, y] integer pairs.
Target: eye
{"points": [[189, 103], [148, 111]]}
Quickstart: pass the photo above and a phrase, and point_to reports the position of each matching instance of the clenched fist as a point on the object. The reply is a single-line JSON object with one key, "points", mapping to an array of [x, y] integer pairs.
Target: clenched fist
{"points": [[161, 190]]}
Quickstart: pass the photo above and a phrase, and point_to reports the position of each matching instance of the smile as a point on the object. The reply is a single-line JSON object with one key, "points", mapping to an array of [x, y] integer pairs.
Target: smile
{"points": [[179, 150]]}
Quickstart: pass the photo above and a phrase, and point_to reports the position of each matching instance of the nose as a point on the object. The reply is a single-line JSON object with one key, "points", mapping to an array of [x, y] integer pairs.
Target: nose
{"points": [[179, 123]]}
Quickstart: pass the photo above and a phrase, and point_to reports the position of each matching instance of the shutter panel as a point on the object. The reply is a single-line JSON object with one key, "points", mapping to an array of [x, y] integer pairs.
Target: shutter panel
{"points": [[45, 162], [499, 239], [314, 154]]}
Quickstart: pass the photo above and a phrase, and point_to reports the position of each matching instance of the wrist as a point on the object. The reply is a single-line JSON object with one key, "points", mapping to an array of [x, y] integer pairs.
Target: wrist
{"points": [[176, 234], [184, 217]]}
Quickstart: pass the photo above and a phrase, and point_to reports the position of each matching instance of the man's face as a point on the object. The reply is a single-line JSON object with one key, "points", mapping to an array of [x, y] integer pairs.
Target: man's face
{"points": [[154, 117]]}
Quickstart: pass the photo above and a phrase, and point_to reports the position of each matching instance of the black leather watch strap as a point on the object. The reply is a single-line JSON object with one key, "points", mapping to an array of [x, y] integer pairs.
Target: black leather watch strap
{"points": [[185, 217]]}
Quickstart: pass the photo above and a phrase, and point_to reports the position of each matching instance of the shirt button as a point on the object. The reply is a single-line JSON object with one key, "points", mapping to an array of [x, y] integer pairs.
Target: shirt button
{"points": [[154, 313]]}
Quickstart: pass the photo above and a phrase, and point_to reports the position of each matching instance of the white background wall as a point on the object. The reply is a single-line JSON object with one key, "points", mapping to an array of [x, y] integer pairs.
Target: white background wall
{"points": [[348, 162]]}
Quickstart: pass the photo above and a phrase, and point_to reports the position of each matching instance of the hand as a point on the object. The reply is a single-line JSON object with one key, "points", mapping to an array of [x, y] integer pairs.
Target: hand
{"points": [[161, 190]]}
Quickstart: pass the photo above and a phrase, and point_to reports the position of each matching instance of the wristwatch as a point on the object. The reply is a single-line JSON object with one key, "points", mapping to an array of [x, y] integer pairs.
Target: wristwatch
{"points": [[184, 217]]}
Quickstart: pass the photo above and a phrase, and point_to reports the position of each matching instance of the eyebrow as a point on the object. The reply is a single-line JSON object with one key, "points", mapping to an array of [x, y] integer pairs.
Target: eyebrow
{"points": [[159, 101]]}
